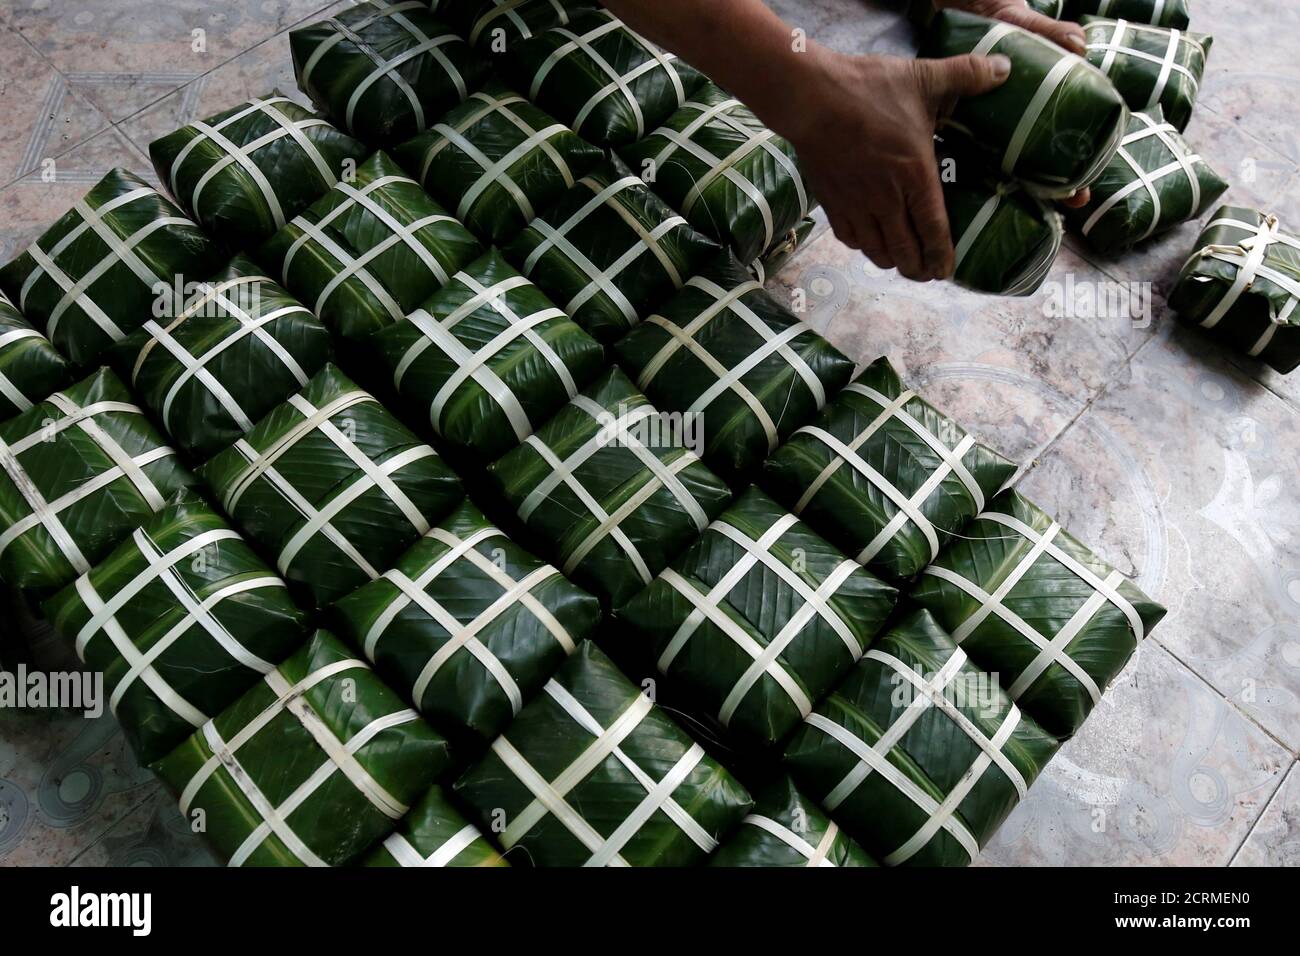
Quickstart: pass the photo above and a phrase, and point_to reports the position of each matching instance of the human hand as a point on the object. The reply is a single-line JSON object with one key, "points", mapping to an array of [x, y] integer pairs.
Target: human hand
{"points": [[1061, 32]]}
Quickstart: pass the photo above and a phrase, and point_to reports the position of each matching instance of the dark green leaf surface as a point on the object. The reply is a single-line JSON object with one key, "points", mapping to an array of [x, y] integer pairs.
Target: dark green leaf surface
{"points": [[934, 784], [332, 487], [621, 783], [468, 625], [435, 834], [1161, 13], [759, 618], [311, 767], [1133, 56], [181, 619], [1057, 593], [785, 828], [30, 367], [900, 449]]}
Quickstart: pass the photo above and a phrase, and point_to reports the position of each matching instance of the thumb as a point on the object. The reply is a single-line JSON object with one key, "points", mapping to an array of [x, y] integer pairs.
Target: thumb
{"points": [[947, 80]]}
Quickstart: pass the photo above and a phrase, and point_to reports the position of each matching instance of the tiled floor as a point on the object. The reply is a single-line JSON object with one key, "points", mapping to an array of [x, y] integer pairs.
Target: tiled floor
{"points": [[1178, 464]]}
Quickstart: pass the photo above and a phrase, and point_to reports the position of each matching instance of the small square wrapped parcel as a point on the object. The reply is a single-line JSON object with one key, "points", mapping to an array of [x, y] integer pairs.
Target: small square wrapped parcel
{"points": [[918, 754], [759, 619], [609, 250], [384, 71], [333, 486], [497, 161], [78, 473], [592, 773], [312, 766], [1027, 601], [488, 358], [181, 619], [1055, 122], [785, 828], [435, 834], [731, 176], [245, 172], [30, 366], [240, 346], [115, 259], [1160, 13], [609, 489], [1155, 182], [468, 625], [609, 84], [726, 351], [369, 251], [496, 26], [1243, 284], [1150, 66], [885, 475]]}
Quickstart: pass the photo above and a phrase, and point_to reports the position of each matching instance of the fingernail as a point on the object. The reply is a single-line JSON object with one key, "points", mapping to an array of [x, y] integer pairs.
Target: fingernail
{"points": [[1077, 44], [1001, 66]]}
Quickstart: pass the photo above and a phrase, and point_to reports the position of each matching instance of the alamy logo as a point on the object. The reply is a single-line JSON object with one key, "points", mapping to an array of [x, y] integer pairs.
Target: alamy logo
{"points": [[204, 300], [63, 690], [976, 691], [77, 909], [653, 430], [1098, 299]]}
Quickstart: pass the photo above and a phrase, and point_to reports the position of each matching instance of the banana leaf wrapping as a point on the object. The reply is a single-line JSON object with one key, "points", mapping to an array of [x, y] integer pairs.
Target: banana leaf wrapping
{"points": [[81, 471], [608, 250], [611, 85], [759, 619], [732, 177], [785, 828], [312, 766], [369, 251], [111, 262], [726, 352], [1160, 13], [1048, 8], [1054, 124], [498, 161], [610, 490], [918, 754], [1030, 603], [468, 625], [488, 358], [495, 26], [30, 367], [384, 71], [1150, 66], [1155, 182], [332, 486], [240, 346], [782, 251], [1243, 284], [245, 172], [435, 834], [181, 619], [592, 773], [885, 475]]}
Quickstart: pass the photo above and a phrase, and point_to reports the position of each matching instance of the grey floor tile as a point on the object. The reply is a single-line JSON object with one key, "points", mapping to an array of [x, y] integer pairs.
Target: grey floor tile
{"points": [[1275, 840]]}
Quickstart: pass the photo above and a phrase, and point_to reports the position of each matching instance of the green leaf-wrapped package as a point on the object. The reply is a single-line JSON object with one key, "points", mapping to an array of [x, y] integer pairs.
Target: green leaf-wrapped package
{"points": [[496, 26], [785, 828], [30, 367], [1048, 8], [917, 754], [1160, 13], [1243, 284], [435, 834], [609, 489], [592, 773], [609, 250], [732, 177], [310, 767], [1154, 182], [468, 625], [609, 84], [112, 261], [498, 161], [384, 71], [488, 358], [725, 351], [1054, 124], [239, 347], [1150, 66], [885, 475], [370, 250], [181, 619], [333, 487], [759, 618], [81, 471], [245, 172], [1027, 601]]}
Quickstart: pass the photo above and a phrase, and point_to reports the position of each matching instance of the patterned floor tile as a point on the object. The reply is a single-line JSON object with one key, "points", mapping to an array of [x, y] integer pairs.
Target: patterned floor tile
{"points": [[1275, 841]]}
